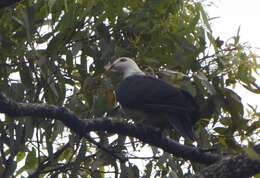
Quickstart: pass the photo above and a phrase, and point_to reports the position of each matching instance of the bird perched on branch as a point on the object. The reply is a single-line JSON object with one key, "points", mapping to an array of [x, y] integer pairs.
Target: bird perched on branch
{"points": [[157, 103]]}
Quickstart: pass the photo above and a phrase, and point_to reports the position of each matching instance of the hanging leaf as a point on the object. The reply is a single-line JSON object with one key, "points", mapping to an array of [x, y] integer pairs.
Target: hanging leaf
{"points": [[205, 82], [31, 161], [233, 103]]}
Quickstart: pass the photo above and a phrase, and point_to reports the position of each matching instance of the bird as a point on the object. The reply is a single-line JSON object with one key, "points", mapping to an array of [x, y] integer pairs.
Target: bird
{"points": [[157, 103]]}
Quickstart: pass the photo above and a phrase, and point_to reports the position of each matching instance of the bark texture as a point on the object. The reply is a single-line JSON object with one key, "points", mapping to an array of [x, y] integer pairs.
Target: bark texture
{"points": [[6, 3]]}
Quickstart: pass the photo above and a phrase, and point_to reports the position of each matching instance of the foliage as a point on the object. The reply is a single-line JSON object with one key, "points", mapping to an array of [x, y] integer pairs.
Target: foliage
{"points": [[54, 51]]}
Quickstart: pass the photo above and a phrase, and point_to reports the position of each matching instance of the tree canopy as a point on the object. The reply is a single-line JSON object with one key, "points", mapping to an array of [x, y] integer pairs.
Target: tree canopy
{"points": [[58, 104]]}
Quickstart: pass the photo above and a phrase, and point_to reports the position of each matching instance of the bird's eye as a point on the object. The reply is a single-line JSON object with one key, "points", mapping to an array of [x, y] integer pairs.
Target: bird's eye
{"points": [[123, 60]]}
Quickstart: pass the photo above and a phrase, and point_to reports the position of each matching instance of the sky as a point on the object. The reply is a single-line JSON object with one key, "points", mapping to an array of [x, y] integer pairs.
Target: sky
{"points": [[233, 14]]}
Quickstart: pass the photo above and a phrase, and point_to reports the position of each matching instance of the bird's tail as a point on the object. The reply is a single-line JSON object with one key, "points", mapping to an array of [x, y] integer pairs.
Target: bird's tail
{"points": [[183, 126]]}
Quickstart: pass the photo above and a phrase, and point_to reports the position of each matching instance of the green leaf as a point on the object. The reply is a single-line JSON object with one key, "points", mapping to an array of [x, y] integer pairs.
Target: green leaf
{"points": [[100, 105], [204, 16], [221, 130], [148, 169], [252, 154], [212, 41], [20, 156], [193, 22], [203, 79], [257, 176], [173, 174], [56, 43], [17, 91], [28, 17], [237, 37], [26, 76], [44, 38], [51, 3], [233, 103], [29, 128], [31, 161]]}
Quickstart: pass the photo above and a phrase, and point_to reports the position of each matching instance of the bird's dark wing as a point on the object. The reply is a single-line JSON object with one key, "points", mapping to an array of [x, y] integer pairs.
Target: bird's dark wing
{"points": [[151, 95]]}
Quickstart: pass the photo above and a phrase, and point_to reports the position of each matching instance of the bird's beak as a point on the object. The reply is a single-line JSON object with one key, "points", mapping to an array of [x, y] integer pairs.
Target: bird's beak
{"points": [[108, 67]]}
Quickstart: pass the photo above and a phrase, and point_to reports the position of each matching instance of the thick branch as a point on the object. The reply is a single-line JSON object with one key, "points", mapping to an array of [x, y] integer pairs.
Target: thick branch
{"points": [[6, 3], [240, 166], [83, 127]]}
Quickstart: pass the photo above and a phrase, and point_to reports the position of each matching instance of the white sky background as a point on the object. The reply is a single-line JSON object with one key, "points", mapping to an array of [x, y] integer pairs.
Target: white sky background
{"points": [[232, 14], [235, 13]]}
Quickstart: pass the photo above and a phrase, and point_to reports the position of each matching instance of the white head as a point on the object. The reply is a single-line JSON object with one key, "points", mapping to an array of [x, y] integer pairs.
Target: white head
{"points": [[125, 66]]}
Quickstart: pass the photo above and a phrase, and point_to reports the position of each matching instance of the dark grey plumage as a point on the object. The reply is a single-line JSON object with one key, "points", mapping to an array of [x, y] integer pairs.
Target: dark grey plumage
{"points": [[163, 105]]}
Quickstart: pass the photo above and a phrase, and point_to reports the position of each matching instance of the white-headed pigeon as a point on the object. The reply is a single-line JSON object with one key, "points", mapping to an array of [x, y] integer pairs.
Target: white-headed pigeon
{"points": [[160, 104]]}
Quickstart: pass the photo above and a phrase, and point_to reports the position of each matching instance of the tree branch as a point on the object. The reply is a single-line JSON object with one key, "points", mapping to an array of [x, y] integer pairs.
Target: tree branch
{"points": [[83, 127], [240, 166], [6, 3]]}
